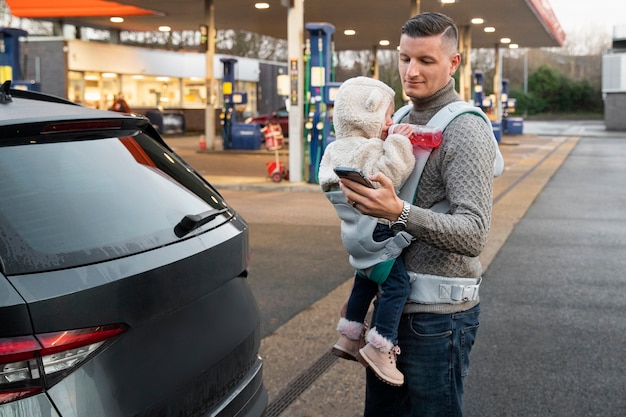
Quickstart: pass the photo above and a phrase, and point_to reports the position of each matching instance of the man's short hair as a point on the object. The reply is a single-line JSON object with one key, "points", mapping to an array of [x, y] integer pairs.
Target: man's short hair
{"points": [[432, 24]]}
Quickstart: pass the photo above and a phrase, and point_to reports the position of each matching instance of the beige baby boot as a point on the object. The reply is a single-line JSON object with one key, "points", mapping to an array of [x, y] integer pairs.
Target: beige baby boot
{"points": [[380, 354], [349, 342]]}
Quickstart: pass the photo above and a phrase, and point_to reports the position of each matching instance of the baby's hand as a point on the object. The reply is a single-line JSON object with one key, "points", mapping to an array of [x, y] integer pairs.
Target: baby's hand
{"points": [[419, 135], [403, 129]]}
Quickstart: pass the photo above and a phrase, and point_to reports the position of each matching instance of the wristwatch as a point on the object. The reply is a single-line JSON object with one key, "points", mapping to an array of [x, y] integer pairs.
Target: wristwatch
{"points": [[403, 218]]}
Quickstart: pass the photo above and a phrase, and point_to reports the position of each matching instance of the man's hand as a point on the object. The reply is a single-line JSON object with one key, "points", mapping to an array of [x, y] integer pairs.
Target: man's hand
{"points": [[380, 202]]}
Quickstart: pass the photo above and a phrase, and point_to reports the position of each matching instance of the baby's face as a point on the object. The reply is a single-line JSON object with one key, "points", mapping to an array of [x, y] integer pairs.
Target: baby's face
{"points": [[388, 122]]}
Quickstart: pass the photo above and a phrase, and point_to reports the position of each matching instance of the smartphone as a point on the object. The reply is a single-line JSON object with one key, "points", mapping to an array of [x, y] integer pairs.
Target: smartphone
{"points": [[353, 174]]}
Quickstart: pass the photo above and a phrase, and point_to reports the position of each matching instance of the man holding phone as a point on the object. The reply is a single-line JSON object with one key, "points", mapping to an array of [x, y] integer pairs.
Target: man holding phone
{"points": [[436, 336]]}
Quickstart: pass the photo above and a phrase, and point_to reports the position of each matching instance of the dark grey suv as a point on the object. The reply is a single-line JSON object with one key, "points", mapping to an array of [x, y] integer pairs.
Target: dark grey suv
{"points": [[123, 286]]}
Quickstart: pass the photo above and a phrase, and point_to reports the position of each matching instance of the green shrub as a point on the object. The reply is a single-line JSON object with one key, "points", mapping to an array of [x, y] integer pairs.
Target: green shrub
{"points": [[552, 92]]}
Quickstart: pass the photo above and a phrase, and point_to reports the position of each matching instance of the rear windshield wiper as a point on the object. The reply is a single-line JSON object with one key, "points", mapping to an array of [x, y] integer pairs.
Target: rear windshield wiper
{"points": [[193, 221]]}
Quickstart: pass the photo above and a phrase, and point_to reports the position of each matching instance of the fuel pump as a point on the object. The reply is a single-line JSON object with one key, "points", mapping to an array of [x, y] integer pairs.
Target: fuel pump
{"points": [[508, 104], [510, 125], [329, 96], [487, 103], [228, 114], [504, 100], [236, 135], [480, 99], [10, 68], [479, 81], [320, 80]]}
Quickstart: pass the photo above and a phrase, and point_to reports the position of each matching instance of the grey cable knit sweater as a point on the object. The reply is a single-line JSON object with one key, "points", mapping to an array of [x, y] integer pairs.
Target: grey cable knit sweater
{"points": [[461, 171]]}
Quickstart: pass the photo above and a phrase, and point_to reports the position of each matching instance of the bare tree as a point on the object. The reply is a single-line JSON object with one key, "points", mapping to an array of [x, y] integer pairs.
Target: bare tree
{"points": [[575, 67], [248, 44], [586, 40]]}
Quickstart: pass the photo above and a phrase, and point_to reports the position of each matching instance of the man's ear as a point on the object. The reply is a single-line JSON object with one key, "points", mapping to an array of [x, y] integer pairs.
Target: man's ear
{"points": [[455, 61]]}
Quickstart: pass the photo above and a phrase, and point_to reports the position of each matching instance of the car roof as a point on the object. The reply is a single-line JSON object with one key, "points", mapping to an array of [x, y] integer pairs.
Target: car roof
{"points": [[23, 107]]}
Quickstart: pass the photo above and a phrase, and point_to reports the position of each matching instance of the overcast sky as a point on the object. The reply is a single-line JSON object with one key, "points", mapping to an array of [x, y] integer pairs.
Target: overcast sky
{"points": [[578, 14]]}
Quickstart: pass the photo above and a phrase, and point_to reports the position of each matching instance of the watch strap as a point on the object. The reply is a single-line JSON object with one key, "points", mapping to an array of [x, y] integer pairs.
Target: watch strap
{"points": [[403, 218]]}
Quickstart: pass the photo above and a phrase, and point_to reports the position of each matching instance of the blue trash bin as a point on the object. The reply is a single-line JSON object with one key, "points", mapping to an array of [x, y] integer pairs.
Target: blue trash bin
{"points": [[246, 136], [515, 126]]}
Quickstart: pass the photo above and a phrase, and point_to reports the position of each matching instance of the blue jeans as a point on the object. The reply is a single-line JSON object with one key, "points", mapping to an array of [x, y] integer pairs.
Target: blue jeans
{"points": [[393, 294], [434, 359]]}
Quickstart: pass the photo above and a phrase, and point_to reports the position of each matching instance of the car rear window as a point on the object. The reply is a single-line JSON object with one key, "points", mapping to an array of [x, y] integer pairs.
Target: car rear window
{"points": [[71, 203]]}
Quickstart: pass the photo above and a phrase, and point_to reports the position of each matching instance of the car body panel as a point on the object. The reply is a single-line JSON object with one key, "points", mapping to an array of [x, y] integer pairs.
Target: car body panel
{"points": [[177, 260], [168, 378], [154, 281], [15, 320]]}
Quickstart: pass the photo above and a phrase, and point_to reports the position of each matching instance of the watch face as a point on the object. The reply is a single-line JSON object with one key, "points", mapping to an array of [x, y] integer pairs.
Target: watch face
{"points": [[398, 227]]}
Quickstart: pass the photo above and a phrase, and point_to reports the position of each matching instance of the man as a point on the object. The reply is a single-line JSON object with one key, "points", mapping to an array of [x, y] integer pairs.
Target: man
{"points": [[436, 334]]}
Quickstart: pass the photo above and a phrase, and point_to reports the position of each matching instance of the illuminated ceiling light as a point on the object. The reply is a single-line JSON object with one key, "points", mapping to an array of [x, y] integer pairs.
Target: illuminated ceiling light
{"points": [[447, 1], [349, 32], [384, 42], [92, 96], [165, 29], [116, 19], [477, 21], [262, 6], [505, 40], [513, 46], [137, 77], [109, 75], [162, 78], [489, 29]]}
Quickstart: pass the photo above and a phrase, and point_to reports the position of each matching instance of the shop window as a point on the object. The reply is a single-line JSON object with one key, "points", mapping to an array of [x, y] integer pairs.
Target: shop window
{"points": [[194, 93]]}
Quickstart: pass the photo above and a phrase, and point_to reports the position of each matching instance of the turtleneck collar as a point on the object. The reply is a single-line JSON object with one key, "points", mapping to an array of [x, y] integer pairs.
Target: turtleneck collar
{"points": [[425, 109]]}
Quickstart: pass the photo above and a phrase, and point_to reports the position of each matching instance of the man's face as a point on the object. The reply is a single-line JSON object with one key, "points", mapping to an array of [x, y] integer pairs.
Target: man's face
{"points": [[426, 65]]}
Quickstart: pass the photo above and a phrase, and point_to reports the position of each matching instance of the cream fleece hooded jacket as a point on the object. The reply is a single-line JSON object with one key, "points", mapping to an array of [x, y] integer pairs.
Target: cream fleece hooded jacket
{"points": [[359, 117]]}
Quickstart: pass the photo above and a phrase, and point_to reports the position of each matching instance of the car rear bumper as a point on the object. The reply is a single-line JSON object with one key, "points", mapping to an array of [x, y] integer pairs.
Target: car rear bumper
{"points": [[248, 399]]}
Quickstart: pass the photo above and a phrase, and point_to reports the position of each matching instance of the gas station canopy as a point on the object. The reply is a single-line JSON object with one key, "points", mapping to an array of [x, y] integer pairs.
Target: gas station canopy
{"points": [[375, 24], [527, 23]]}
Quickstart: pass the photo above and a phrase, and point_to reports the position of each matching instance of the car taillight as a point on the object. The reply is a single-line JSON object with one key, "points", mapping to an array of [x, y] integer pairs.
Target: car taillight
{"points": [[22, 359], [81, 125]]}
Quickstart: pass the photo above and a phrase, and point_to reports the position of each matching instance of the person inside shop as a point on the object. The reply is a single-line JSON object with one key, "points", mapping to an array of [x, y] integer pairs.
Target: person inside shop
{"points": [[119, 104]]}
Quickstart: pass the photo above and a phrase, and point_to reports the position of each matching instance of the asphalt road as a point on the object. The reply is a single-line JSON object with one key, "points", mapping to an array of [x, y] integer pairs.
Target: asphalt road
{"points": [[553, 329]]}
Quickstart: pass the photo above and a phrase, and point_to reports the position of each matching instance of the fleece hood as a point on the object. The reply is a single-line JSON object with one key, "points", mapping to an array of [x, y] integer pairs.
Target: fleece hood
{"points": [[360, 107]]}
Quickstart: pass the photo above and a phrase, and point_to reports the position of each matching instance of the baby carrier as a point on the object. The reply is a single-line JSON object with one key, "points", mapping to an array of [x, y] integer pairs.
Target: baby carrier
{"points": [[375, 259]]}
